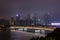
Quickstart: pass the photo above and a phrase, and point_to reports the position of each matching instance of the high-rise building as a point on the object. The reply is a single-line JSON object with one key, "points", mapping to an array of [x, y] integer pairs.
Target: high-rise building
{"points": [[28, 20], [12, 20], [33, 17], [47, 19], [38, 21], [17, 19]]}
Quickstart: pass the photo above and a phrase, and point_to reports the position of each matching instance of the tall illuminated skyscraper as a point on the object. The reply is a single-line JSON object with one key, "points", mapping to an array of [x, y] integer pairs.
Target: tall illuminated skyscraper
{"points": [[17, 19]]}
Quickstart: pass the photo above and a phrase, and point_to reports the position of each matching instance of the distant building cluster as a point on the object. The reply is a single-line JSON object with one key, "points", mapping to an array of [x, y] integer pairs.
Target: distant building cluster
{"points": [[30, 20]]}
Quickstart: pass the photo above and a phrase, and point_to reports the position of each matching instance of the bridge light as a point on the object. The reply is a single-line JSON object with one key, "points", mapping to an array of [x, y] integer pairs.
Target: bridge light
{"points": [[17, 15]]}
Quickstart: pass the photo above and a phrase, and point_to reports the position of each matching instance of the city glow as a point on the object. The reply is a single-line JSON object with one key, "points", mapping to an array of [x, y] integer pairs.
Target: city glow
{"points": [[17, 15], [38, 19], [57, 24]]}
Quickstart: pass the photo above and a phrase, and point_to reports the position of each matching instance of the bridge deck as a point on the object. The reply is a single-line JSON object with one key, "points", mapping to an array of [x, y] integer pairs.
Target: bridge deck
{"points": [[37, 28]]}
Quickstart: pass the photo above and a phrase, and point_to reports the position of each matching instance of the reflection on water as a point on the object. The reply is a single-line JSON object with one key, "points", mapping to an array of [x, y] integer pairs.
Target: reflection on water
{"points": [[5, 34]]}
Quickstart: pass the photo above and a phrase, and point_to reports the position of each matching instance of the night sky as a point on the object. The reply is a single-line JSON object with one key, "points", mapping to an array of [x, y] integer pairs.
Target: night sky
{"points": [[39, 7]]}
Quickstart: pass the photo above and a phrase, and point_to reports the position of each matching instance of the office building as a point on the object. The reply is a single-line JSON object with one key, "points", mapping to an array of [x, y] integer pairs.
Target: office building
{"points": [[17, 20], [47, 19], [12, 20]]}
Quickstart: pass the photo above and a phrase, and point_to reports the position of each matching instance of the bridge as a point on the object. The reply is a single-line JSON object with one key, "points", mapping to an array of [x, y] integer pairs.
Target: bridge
{"points": [[40, 30], [37, 30]]}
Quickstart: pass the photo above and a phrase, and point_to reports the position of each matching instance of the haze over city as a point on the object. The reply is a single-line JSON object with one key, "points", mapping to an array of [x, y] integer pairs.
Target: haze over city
{"points": [[10, 8]]}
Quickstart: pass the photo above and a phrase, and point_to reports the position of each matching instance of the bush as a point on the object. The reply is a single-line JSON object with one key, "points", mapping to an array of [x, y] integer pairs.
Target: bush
{"points": [[37, 38], [55, 35]]}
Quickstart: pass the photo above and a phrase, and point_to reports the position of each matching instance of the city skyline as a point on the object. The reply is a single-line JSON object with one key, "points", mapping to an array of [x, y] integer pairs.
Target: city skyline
{"points": [[39, 7], [29, 19]]}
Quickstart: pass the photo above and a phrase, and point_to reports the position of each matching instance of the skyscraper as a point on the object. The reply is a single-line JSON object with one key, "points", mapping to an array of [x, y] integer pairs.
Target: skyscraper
{"points": [[28, 20], [33, 17], [47, 19], [17, 19], [12, 20]]}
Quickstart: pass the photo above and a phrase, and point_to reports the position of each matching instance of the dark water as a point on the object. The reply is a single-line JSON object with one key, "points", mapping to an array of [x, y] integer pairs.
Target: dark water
{"points": [[5, 34], [8, 35]]}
